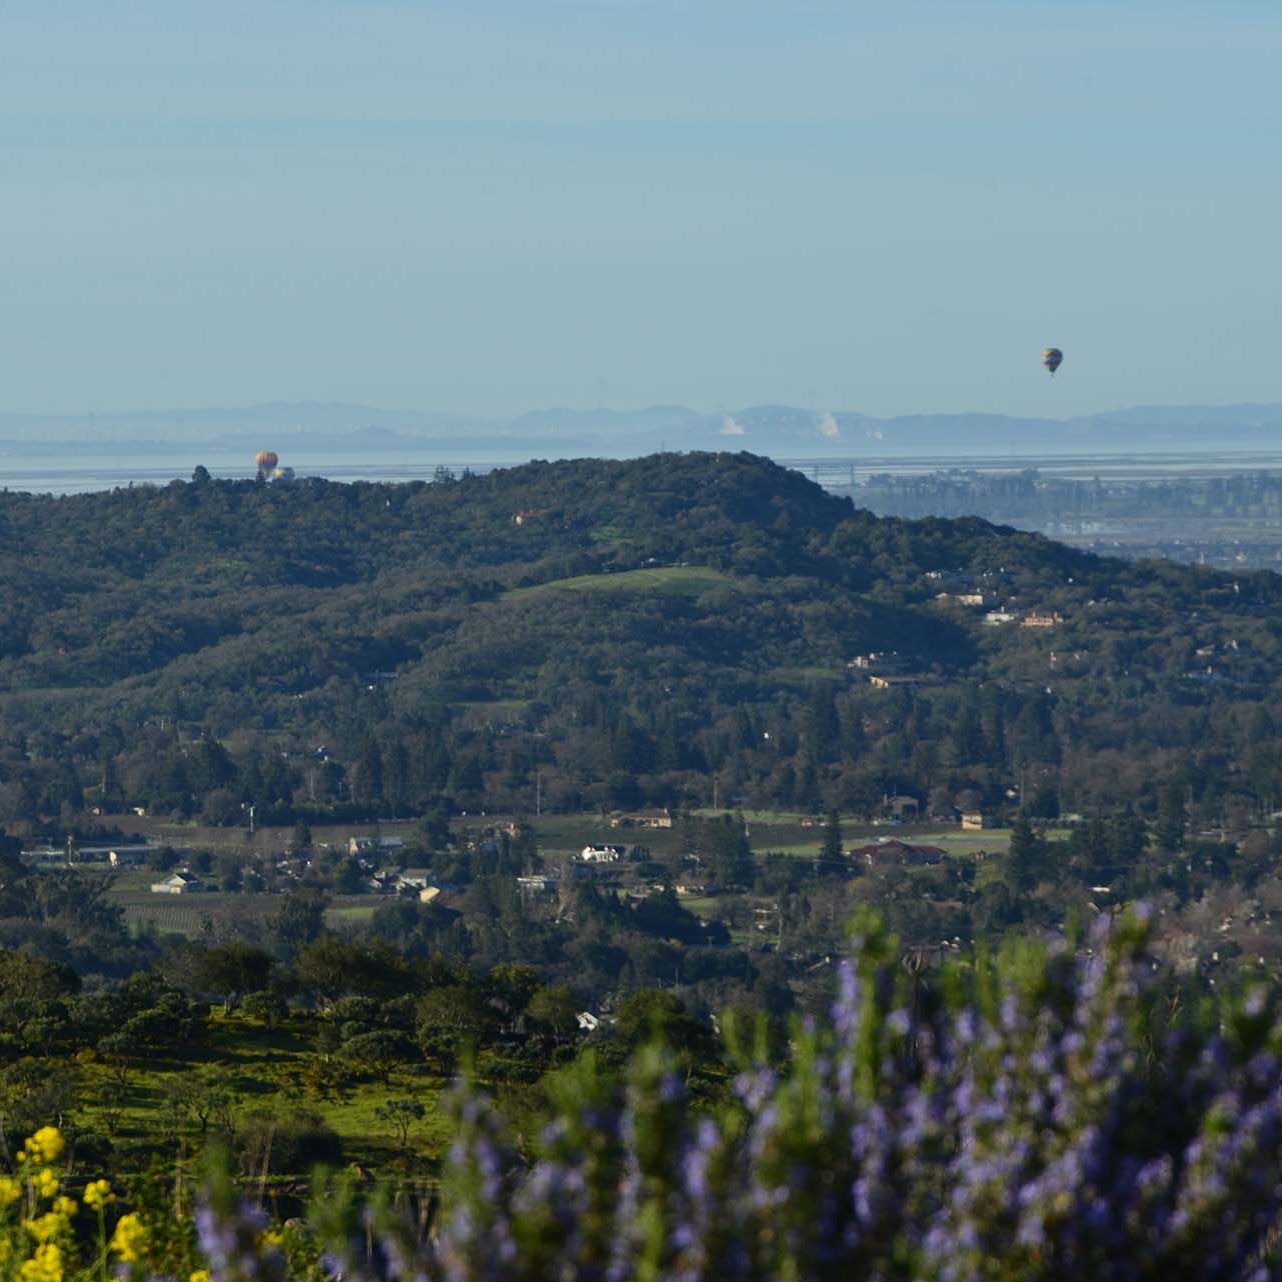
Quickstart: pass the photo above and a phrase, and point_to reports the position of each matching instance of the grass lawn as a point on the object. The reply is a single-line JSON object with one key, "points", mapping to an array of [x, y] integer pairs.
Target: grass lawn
{"points": [[775, 832], [192, 915], [685, 580], [568, 834], [956, 842], [266, 1070]]}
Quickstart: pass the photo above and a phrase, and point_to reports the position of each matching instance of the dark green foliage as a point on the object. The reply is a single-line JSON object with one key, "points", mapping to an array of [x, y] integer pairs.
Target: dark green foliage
{"points": [[831, 850], [297, 1141], [229, 971], [378, 1052], [299, 920], [710, 606], [1026, 858]]}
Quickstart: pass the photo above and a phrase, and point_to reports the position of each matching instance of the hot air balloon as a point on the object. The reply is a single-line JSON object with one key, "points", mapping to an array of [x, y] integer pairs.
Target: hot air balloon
{"points": [[1052, 358], [283, 474], [266, 459]]}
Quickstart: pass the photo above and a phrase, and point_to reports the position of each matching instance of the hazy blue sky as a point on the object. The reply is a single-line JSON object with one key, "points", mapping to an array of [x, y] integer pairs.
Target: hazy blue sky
{"points": [[475, 205]]}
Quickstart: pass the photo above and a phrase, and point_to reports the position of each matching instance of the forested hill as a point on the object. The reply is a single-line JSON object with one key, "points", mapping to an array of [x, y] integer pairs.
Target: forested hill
{"points": [[628, 629]]}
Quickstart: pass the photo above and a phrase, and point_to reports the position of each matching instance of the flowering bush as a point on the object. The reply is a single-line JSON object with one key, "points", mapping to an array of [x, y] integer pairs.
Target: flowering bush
{"points": [[1033, 1118], [1041, 1124], [48, 1236], [38, 1238]]}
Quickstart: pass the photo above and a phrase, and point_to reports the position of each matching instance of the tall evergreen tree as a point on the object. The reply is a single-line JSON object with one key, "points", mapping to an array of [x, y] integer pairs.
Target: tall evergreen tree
{"points": [[1026, 859], [367, 786], [1168, 830], [821, 728], [831, 850]]}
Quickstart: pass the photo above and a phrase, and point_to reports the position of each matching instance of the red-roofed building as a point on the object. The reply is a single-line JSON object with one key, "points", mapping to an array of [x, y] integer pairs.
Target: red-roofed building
{"points": [[894, 851]]}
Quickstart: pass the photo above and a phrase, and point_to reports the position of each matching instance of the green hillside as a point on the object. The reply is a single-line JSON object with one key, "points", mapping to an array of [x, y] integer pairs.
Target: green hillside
{"points": [[642, 627]]}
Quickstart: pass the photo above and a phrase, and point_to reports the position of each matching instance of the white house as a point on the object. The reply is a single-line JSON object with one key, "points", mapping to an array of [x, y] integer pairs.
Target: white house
{"points": [[602, 854], [177, 883], [413, 879]]}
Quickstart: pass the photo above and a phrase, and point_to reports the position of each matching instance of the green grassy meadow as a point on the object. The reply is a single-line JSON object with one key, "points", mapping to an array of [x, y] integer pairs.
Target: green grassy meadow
{"points": [[194, 915], [268, 1071], [684, 580]]}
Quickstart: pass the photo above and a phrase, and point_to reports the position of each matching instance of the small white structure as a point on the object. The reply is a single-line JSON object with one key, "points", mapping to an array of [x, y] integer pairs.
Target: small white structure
{"points": [[642, 819], [177, 883], [375, 845], [602, 854], [536, 885], [588, 1022], [128, 856], [413, 879]]}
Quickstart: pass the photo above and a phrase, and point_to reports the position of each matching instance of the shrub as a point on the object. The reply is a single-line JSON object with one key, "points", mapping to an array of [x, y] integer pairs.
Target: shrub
{"points": [[1036, 1117], [289, 1144], [1043, 1124]]}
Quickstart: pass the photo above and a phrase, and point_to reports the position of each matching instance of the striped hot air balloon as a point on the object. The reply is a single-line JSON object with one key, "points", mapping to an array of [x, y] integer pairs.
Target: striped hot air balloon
{"points": [[1052, 358], [266, 460]]}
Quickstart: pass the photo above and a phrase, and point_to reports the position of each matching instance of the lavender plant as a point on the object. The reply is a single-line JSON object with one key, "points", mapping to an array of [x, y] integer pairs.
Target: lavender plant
{"points": [[1031, 1117], [1029, 1129]]}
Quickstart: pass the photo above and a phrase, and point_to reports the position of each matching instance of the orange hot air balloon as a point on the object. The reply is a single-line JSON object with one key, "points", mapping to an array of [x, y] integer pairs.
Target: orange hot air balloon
{"points": [[1052, 358], [266, 459]]}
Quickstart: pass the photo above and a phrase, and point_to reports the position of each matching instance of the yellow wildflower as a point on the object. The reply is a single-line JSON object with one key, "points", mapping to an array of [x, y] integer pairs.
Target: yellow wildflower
{"points": [[129, 1239], [46, 1182], [98, 1193], [200, 1275], [66, 1206], [10, 1190], [46, 1144], [45, 1227], [44, 1266], [270, 1238]]}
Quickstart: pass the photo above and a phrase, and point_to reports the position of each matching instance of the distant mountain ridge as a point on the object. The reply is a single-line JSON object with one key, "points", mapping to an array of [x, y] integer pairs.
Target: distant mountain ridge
{"points": [[769, 429]]}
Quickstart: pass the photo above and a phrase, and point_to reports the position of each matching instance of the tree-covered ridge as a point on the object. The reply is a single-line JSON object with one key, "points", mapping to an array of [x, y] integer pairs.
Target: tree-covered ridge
{"points": [[322, 613]]}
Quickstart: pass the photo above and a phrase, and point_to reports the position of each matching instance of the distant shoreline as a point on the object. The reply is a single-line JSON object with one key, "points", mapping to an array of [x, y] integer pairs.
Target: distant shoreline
{"points": [[47, 471]]}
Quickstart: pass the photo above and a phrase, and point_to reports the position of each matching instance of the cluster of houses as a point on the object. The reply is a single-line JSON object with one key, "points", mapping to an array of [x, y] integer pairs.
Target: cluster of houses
{"points": [[1032, 619], [416, 882], [368, 851], [906, 809], [888, 669], [987, 594]]}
